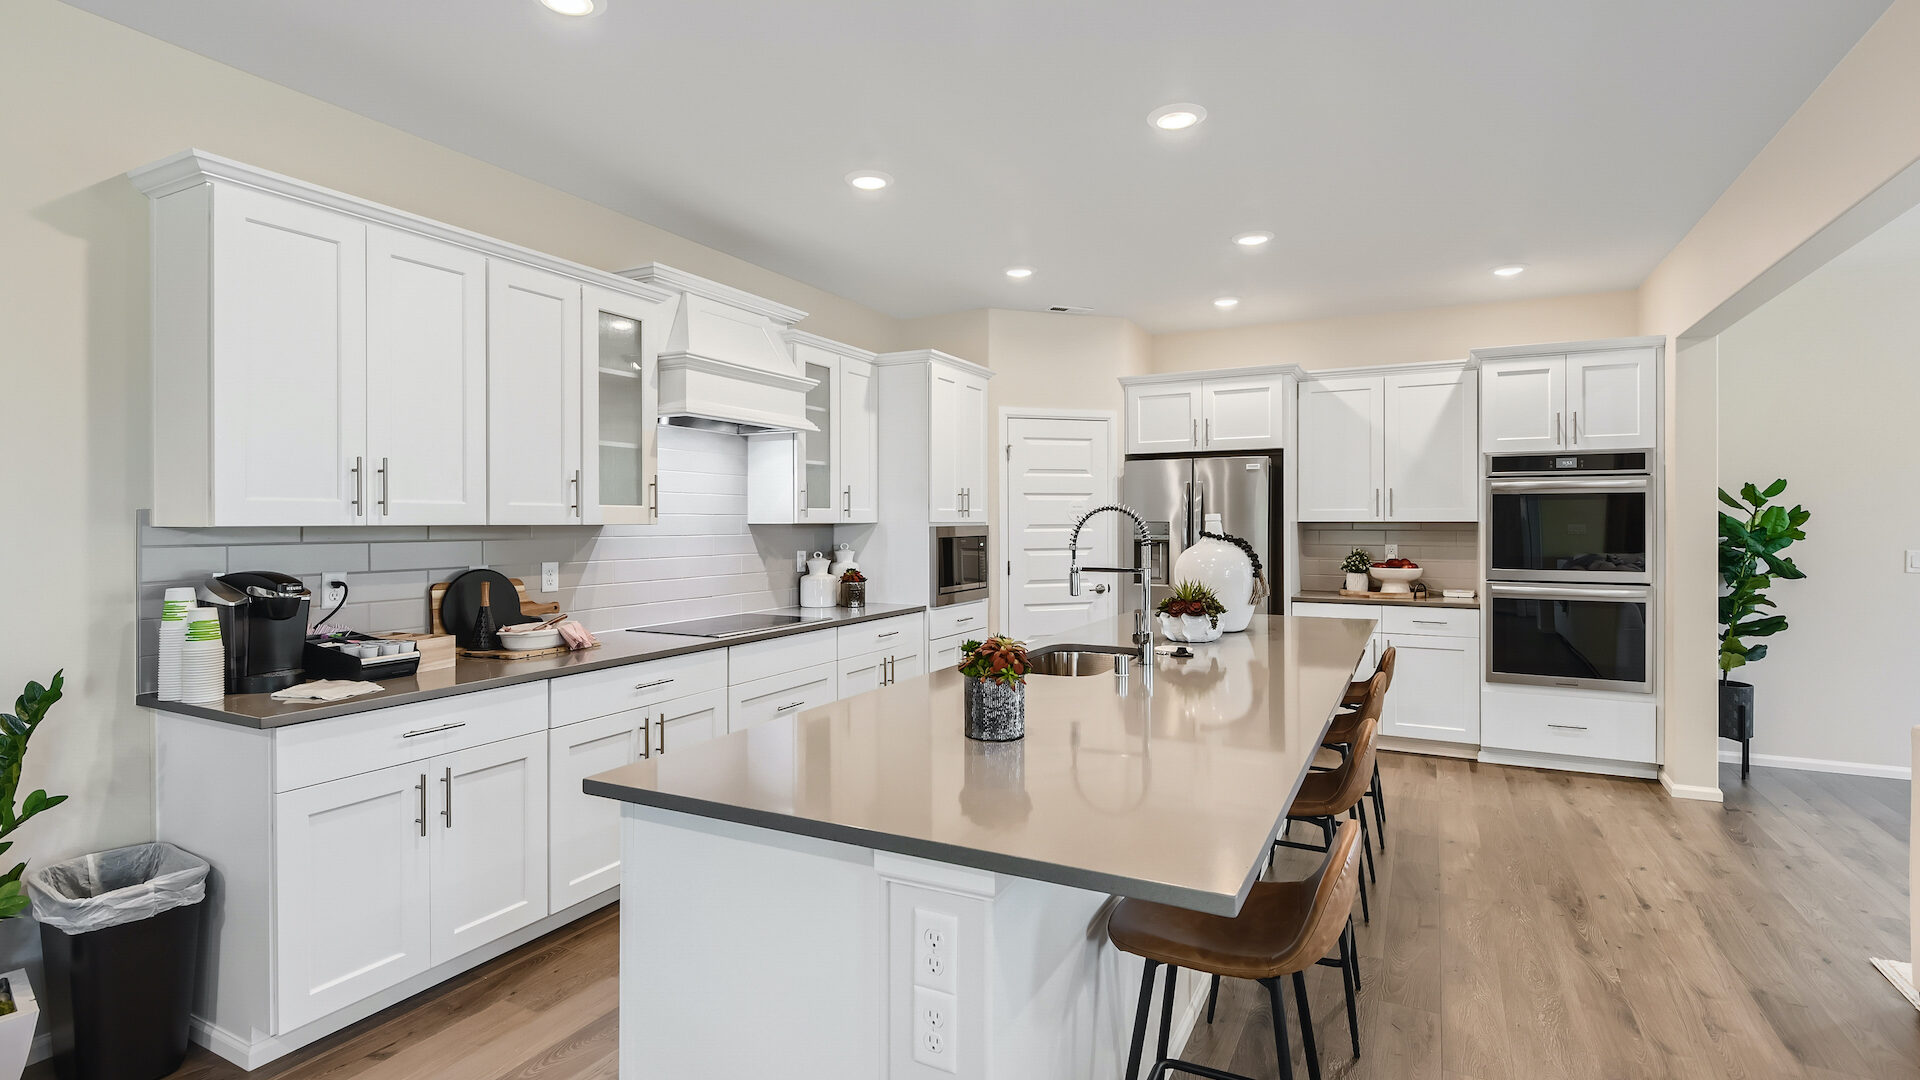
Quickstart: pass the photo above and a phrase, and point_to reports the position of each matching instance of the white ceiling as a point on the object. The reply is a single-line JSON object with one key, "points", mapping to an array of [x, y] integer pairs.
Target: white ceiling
{"points": [[1397, 150]]}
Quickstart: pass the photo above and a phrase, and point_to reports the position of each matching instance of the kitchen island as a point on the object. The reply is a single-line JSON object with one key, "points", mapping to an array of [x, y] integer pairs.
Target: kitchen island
{"points": [[858, 890]]}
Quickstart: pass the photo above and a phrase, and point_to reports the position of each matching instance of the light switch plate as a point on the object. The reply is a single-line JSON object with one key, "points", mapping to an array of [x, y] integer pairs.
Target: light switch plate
{"points": [[1913, 560]]}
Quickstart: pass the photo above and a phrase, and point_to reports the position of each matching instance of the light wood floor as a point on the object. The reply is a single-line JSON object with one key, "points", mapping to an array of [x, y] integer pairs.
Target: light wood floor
{"points": [[1527, 925]]}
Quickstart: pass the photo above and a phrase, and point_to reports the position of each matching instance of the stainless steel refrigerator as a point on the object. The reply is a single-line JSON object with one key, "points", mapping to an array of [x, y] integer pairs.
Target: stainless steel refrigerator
{"points": [[1175, 495]]}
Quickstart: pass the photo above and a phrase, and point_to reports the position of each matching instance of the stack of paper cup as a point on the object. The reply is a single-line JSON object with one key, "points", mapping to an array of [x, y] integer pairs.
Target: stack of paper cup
{"points": [[203, 672], [173, 633]]}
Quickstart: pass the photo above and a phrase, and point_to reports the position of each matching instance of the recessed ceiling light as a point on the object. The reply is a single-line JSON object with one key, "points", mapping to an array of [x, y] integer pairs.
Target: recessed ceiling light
{"points": [[574, 7], [869, 180], [1019, 273], [1176, 117], [1252, 239], [1508, 271], [1225, 302]]}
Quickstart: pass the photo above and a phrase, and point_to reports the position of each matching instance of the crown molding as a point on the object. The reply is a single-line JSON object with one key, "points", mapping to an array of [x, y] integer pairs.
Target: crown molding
{"points": [[685, 361], [1294, 370], [838, 348], [1393, 369], [664, 276], [192, 167], [931, 356], [1511, 352]]}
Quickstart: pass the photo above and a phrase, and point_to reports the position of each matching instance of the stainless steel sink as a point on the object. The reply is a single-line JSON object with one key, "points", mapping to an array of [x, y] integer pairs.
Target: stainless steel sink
{"points": [[1069, 660]]}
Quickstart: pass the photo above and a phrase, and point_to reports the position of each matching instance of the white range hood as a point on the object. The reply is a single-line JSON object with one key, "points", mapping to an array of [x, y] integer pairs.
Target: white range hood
{"points": [[726, 362]]}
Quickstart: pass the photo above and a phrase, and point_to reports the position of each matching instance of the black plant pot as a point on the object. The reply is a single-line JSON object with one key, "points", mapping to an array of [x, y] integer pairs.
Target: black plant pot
{"points": [[1736, 717]]}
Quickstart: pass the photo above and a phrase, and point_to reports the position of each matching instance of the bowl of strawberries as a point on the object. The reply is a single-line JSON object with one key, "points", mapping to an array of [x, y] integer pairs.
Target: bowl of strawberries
{"points": [[1396, 575]]}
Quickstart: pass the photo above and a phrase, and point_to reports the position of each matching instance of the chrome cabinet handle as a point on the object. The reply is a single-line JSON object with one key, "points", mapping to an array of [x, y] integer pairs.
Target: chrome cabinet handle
{"points": [[958, 622], [1556, 429], [1376, 500], [847, 497], [1196, 433], [651, 685], [653, 496], [646, 739], [359, 487], [1569, 727], [1575, 428], [662, 748], [447, 812], [422, 819], [1209, 440], [432, 730], [386, 479], [576, 493], [1389, 502], [789, 705], [1431, 622], [891, 633]]}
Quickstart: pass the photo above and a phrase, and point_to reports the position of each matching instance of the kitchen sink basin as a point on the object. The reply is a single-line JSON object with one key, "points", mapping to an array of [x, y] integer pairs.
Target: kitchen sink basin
{"points": [[1072, 661]]}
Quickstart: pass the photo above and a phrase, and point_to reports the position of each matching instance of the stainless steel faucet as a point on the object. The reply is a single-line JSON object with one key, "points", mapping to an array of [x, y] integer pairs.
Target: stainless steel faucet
{"points": [[1141, 572]]}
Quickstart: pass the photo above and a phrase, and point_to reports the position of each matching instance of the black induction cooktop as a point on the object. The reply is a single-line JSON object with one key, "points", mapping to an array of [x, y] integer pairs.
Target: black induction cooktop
{"points": [[722, 626]]}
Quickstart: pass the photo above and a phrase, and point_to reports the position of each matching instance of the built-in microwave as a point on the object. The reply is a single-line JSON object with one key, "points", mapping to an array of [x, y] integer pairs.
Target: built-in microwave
{"points": [[960, 572], [1590, 637], [1570, 518]]}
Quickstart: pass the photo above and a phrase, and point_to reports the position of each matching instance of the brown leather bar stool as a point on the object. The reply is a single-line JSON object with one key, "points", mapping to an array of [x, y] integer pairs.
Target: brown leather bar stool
{"points": [[1325, 796], [1340, 736], [1284, 928]]}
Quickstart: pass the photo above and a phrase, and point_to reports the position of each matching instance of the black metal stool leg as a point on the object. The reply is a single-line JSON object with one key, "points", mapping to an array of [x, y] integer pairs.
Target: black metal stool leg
{"points": [[1280, 1045], [1306, 1026], [1353, 942], [1140, 1019], [1213, 997], [1359, 813], [1349, 975], [1366, 915], [1166, 1010], [1379, 805]]}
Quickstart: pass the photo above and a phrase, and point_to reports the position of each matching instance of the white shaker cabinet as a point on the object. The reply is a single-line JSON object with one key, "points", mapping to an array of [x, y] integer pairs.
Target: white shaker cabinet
{"points": [[859, 441], [620, 336], [583, 850], [957, 446], [932, 422], [1243, 413], [1208, 412], [1436, 687], [1610, 396], [830, 475], [488, 842], [533, 398], [1592, 396], [1397, 446], [1523, 405], [1341, 474], [427, 375], [1164, 418]]}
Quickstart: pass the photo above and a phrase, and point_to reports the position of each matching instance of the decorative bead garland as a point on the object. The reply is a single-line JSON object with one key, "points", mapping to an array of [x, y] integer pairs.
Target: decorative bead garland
{"points": [[1260, 587]]}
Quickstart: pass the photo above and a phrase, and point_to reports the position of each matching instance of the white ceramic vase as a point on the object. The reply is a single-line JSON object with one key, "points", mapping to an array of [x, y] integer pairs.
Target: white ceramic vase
{"points": [[1357, 582], [1226, 570]]}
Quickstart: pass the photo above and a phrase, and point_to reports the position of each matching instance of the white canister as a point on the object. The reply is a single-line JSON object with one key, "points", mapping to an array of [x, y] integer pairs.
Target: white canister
{"points": [[843, 560], [821, 590], [1226, 570]]}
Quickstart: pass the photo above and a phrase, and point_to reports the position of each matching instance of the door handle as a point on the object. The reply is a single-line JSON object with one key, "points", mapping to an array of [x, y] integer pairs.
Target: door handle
{"points": [[1575, 429], [359, 487], [386, 478], [422, 819], [662, 748], [1101, 588], [576, 493], [447, 811]]}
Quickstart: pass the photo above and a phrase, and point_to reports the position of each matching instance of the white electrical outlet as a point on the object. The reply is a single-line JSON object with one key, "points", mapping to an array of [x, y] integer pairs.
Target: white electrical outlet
{"points": [[333, 590], [1393, 551], [1913, 560], [799, 562], [935, 1037], [549, 577], [934, 935]]}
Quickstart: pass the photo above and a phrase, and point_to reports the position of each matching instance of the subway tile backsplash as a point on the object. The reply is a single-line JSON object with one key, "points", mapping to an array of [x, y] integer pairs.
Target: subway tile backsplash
{"points": [[1448, 551], [700, 560]]}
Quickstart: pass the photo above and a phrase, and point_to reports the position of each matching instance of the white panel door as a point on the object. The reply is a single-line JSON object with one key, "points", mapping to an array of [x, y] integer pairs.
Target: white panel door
{"points": [[533, 396], [1523, 405], [1610, 400], [1057, 470], [944, 473], [1432, 451], [1163, 418], [1244, 413], [973, 444], [289, 381], [859, 420], [1341, 476], [584, 830], [427, 378], [489, 842], [350, 890], [1436, 688]]}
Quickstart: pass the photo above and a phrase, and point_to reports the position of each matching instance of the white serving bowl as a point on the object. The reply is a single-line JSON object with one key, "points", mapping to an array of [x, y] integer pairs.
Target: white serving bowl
{"points": [[526, 640], [1395, 578]]}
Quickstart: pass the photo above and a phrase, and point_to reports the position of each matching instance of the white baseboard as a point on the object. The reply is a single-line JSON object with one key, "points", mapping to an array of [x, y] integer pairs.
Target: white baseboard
{"points": [[1429, 747], [1901, 976], [1808, 764], [1697, 792]]}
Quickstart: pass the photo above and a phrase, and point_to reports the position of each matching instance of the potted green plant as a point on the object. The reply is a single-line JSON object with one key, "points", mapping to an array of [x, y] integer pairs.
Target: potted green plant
{"points": [[1191, 613], [853, 589], [1355, 566], [996, 673], [19, 1012], [1750, 560]]}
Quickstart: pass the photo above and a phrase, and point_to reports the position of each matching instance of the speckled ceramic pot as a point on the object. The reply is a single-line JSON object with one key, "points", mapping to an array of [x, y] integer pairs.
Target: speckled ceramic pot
{"points": [[996, 712]]}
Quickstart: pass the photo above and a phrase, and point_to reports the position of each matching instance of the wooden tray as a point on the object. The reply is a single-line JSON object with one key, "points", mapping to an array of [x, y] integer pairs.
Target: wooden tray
{"points": [[520, 654], [527, 607]]}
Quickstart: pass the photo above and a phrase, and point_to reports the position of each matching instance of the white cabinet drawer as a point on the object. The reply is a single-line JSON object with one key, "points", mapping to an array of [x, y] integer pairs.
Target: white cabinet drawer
{"points": [[1307, 610], [882, 635], [859, 674], [321, 750], [944, 652], [1444, 622], [746, 663], [1617, 728], [603, 693], [959, 619], [781, 695]]}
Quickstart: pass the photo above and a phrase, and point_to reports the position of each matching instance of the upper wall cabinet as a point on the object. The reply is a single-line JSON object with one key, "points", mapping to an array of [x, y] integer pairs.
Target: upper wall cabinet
{"points": [[1208, 413], [829, 475], [1599, 396], [932, 411], [1397, 446], [322, 360], [620, 402]]}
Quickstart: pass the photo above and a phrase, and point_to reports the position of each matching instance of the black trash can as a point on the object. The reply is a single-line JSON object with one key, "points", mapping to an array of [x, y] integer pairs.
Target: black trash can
{"points": [[120, 932]]}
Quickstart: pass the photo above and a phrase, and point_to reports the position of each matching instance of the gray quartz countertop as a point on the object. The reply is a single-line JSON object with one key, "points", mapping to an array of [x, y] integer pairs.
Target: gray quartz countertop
{"points": [[1171, 793], [1433, 600], [617, 649]]}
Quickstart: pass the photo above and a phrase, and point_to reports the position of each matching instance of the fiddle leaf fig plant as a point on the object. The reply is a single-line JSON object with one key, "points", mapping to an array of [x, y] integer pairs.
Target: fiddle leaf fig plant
{"points": [[16, 728], [1750, 561]]}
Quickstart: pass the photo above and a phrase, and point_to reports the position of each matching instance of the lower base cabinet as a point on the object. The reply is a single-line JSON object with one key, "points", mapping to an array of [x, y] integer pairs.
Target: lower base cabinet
{"points": [[1436, 688], [488, 864], [874, 670], [774, 696], [945, 652]]}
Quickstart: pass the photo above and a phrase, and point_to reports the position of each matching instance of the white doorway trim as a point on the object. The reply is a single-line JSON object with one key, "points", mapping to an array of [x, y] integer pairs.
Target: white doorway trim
{"points": [[1003, 530]]}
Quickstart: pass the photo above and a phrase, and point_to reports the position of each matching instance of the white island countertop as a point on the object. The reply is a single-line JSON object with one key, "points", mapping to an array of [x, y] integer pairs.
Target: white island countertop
{"points": [[1172, 794]]}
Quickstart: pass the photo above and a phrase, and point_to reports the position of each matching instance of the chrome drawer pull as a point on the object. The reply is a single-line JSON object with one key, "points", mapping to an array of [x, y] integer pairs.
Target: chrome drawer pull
{"points": [[1569, 727], [891, 633], [432, 730], [968, 619], [1431, 622], [789, 705], [651, 685]]}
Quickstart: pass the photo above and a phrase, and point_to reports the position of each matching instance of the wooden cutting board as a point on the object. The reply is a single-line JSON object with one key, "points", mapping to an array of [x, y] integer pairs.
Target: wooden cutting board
{"points": [[527, 607]]}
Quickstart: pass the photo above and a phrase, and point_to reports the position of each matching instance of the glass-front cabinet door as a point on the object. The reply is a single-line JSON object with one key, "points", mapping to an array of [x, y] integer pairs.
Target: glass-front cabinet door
{"points": [[819, 482], [621, 392]]}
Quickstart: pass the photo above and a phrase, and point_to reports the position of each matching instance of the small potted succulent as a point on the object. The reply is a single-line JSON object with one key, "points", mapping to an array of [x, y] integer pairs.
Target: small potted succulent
{"points": [[1191, 613], [1355, 566], [996, 674], [853, 589]]}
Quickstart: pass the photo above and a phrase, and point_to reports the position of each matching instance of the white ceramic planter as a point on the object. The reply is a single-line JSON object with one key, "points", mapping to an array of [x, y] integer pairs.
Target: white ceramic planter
{"points": [[1357, 582], [1189, 628], [16, 1029]]}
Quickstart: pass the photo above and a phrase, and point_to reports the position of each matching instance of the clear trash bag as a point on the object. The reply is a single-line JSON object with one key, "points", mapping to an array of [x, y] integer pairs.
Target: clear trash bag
{"points": [[109, 888]]}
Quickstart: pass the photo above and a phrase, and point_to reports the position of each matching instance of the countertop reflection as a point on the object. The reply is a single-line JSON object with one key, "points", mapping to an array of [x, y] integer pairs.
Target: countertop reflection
{"points": [[1171, 794]]}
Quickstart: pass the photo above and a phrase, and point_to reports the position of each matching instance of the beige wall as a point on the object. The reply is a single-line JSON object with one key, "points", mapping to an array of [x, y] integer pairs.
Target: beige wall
{"points": [[1837, 354], [1859, 130], [86, 100], [1401, 337]]}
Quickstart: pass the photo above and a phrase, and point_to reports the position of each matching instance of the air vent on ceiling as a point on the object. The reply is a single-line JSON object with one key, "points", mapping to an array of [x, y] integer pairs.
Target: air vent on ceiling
{"points": [[1069, 309]]}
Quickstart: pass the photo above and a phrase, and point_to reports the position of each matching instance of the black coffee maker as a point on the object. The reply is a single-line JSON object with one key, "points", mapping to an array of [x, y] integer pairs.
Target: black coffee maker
{"points": [[263, 623]]}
